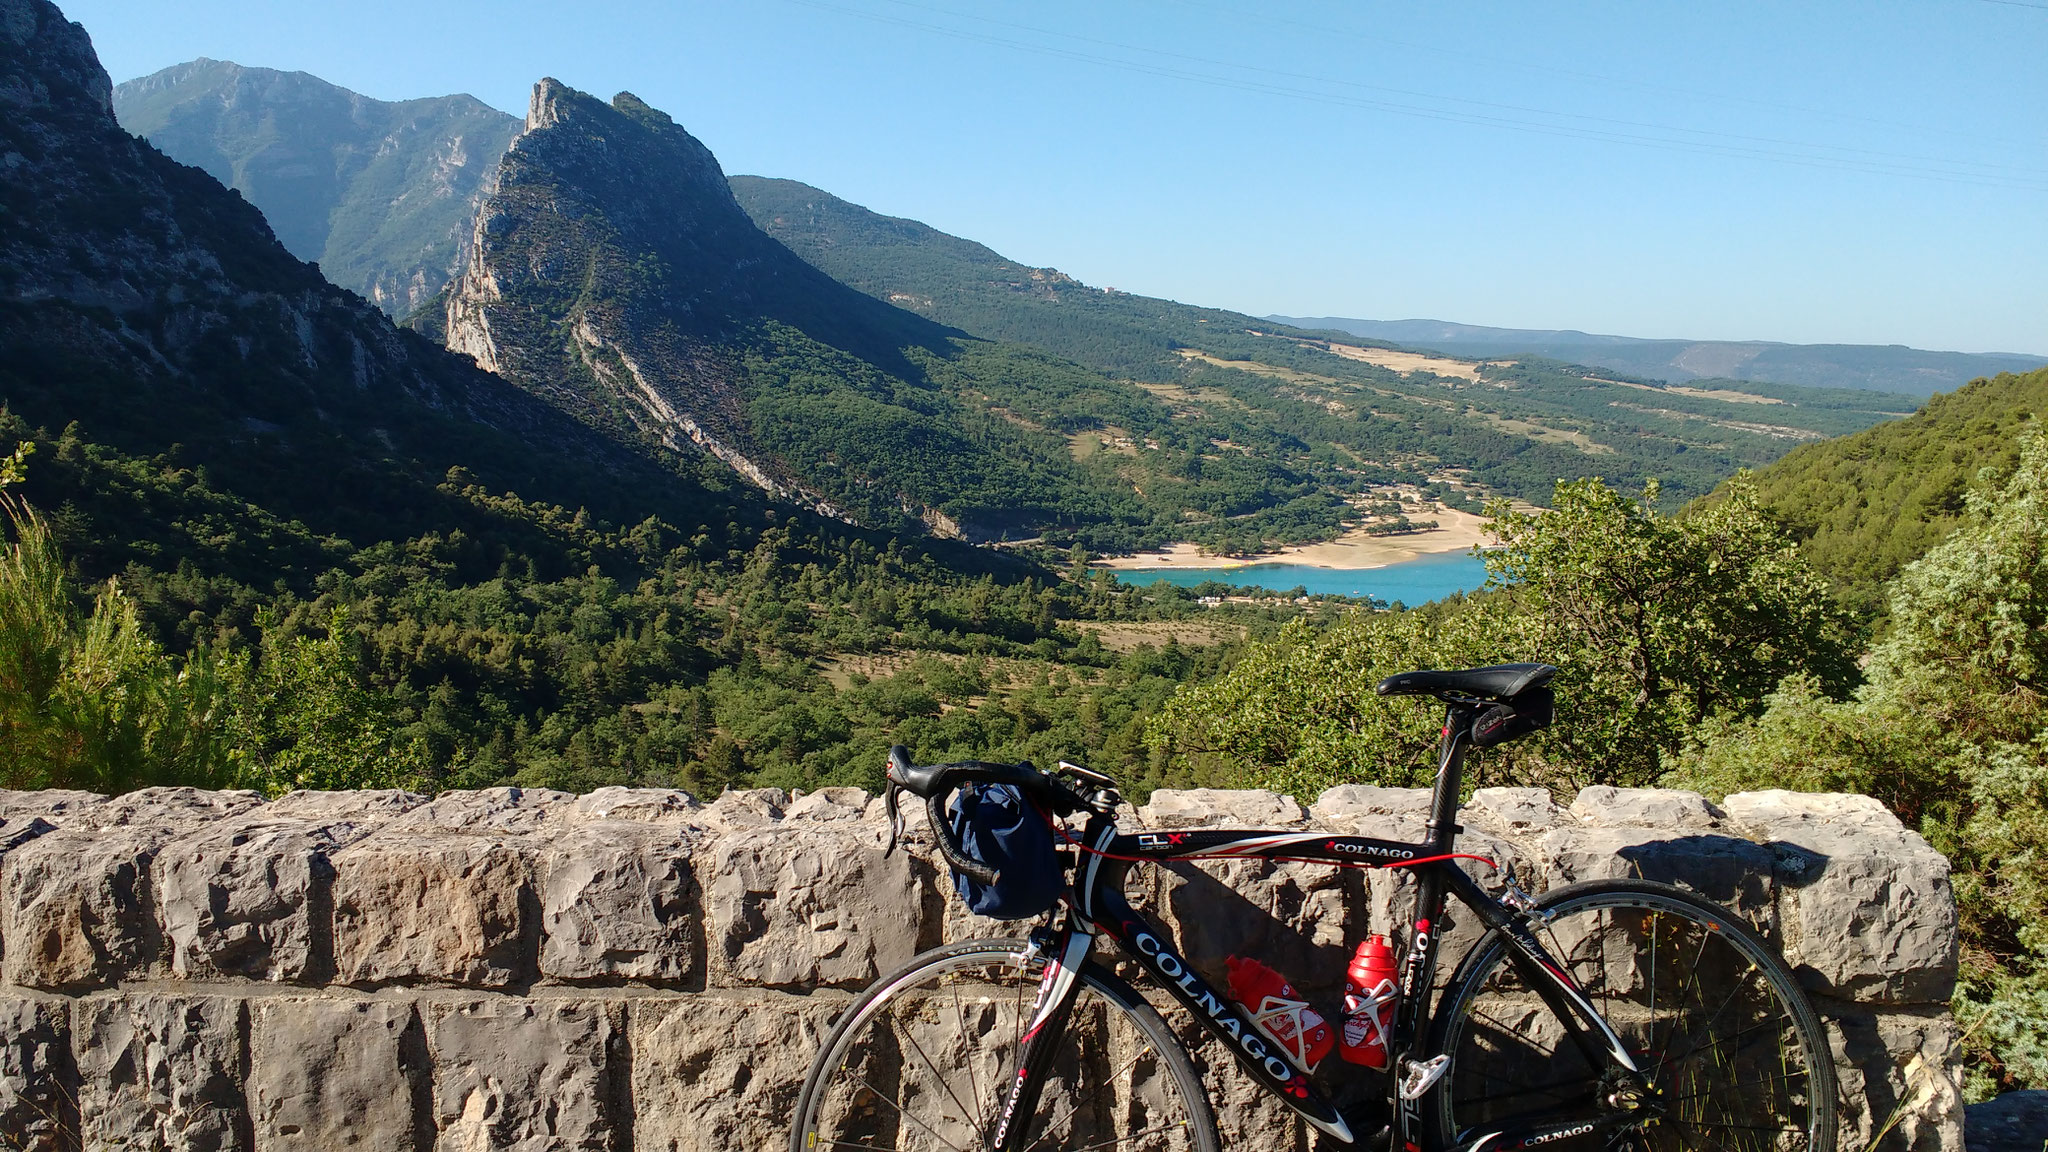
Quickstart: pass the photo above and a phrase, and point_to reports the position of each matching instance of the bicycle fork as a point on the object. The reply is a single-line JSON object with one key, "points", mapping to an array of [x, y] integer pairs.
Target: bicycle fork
{"points": [[1065, 953]]}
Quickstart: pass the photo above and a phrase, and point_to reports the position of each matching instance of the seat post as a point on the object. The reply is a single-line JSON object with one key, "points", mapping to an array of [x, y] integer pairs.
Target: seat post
{"points": [[1450, 779]]}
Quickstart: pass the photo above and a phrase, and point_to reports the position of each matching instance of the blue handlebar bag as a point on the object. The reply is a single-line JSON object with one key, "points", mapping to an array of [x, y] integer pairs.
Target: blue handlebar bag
{"points": [[997, 828]]}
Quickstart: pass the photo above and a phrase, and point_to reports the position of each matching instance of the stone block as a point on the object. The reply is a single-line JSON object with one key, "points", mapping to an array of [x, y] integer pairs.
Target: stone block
{"points": [[521, 1075], [1217, 807], [747, 808], [1899, 1070], [77, 907], [1726, 869], [721, 1070], [336, 1073], [1603, 806], [1867, 909], [828, 804], [436, 908], [1524, 812], [499, 812], [1350, 801], [56, 805], [161, 1072], [346, 815], [819, 907], [638, 805], [38, 1082], [2014, 1122], [619, 901], [242, 899]]}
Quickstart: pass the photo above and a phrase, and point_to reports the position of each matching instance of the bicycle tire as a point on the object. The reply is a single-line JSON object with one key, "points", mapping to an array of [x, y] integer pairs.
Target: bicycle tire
{"points": [[1733, 1050], [1123, 1080]]}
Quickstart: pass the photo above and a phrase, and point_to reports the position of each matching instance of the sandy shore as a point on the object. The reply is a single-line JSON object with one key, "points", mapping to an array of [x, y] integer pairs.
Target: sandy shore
{"points": [[1455, 532]]}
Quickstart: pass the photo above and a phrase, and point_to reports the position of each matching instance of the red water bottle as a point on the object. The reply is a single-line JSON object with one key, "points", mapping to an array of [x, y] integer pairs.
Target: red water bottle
{"points": [[1299, 1030], [1369, 996]]}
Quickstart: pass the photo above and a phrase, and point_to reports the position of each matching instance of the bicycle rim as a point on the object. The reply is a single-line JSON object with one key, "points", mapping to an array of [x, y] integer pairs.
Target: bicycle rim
{"points": [[1733, 1052], [920, 1061]]}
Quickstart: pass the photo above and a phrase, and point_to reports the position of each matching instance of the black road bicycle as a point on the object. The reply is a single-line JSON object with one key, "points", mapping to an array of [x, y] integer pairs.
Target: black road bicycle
{"points": [[1611, 1014]]}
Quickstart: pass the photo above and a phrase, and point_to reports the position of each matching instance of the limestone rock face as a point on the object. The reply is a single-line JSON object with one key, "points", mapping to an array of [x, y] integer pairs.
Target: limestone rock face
{"points": [[523, 1076], [620, 902], [454, 908], [1869, 908], [161, 1071], [328, 1073], [823, 907]]}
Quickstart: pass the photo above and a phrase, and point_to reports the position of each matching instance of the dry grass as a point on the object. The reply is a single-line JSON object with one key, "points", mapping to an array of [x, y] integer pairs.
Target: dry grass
{"points": [[1405, 362]]}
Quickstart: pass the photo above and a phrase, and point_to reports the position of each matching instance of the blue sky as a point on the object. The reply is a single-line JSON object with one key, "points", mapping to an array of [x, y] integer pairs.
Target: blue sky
{"points": [[1870, 172]]}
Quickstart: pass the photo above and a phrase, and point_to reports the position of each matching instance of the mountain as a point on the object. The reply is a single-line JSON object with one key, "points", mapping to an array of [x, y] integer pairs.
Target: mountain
{"points": [[1866, 505], [1891, 368], [224, 406], [380, 194], [611, 271]]}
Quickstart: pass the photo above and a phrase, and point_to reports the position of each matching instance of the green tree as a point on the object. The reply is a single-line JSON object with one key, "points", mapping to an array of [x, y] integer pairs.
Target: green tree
{"points": [[88, 700], [1951, 732], [300, 715], [1655, 622]]}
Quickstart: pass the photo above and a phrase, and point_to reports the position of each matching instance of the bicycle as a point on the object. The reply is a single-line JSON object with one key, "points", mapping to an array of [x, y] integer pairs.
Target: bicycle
{"points": [[1616, 1014]]}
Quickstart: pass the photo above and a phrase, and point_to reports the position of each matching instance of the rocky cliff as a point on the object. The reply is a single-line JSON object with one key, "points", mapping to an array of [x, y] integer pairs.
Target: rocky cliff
{"points": [[612, 272], [630, 969], [155, 308], [381, 194]]}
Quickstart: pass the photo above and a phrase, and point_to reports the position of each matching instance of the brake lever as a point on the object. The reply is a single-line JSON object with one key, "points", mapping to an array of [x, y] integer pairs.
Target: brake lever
{"points": [[895, 817]]}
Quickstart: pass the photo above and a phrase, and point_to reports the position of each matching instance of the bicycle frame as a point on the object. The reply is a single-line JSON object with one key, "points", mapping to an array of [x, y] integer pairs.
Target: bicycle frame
{"points": [[1095, 907]]}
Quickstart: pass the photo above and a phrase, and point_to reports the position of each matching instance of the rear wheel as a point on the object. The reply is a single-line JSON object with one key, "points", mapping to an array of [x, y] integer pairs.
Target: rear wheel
{"points": [[920, 1062], [1733, 1053]]}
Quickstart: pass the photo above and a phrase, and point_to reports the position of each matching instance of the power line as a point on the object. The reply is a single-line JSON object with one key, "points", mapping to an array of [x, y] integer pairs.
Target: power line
{"points": [[1879, 164]]}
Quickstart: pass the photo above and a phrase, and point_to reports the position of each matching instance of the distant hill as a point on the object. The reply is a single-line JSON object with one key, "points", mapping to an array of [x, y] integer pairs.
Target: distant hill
{"points": [[379, 194], [1889, 368], [1866, 505]]}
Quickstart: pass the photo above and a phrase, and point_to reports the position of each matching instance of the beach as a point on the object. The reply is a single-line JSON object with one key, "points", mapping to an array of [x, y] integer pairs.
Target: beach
{"points": [[1455, 532]]}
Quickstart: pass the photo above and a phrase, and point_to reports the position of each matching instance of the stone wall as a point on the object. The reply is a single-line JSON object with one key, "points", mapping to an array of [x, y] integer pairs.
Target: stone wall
{"points": [[631, 970]]}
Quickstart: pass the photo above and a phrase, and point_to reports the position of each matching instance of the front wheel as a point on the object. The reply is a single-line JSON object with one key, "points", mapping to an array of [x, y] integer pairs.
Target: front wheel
{"points": [[920, 1061], [1733, 1053]]}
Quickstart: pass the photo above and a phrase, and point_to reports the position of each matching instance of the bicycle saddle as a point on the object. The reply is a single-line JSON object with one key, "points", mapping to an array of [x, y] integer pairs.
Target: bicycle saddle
{"points": [[1499, 682]]}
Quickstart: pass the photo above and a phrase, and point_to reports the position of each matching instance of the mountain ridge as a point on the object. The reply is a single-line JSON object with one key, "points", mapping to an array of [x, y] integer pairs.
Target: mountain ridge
{"points": [[1879, 367], [380, 193]]}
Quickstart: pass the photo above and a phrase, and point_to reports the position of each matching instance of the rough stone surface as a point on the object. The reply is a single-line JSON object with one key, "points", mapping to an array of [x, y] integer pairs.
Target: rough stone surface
{"points": [[524, 1076], [76, 906], [820, 907], [1603, 806], [38, 1104], [56, 805], [630, 969], [619, 901], [251, 895], [328, 1073], [159, 1071], [1900, 1073], [1869, 911], [435, 908], [1196, 807], [2014, 1122], [721, 1071]]}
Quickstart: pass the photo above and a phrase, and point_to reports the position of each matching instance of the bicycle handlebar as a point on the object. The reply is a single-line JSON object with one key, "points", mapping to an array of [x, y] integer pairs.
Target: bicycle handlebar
{"points": [[937, 782]]}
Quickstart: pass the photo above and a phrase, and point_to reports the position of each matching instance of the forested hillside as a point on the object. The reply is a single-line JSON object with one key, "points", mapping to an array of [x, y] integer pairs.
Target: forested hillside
{"points": [[259, 536], [1864, 506], [380, 194], [1511, 428]]}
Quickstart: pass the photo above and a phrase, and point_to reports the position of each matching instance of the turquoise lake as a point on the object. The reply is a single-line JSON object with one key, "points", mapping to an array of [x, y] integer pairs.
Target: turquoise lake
{"points": [[1412, 582]]}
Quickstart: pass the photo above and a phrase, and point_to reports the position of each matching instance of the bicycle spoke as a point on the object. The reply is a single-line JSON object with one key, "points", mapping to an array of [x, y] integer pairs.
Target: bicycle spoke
{"points": [[898, 1109], [969, 1113], [1126, 1139], [973, 1089], [1075, 1109]]}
